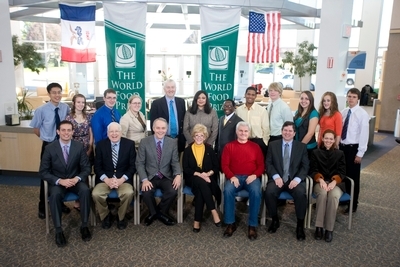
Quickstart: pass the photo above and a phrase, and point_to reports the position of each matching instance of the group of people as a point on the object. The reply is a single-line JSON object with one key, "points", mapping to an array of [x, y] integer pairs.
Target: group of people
{"points": [[243, 144]]}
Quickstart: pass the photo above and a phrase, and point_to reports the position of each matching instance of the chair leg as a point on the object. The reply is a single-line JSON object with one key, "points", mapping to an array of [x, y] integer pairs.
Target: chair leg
{"points": [[46, 206]]}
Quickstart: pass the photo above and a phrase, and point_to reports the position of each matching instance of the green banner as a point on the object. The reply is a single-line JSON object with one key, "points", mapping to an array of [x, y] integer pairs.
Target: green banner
{"points": [[125, 44], [220, 29]]}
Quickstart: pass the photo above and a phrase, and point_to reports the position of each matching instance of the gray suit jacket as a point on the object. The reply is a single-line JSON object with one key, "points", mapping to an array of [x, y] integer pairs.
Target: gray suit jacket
{"points": [[53, 166], [146, 160]]}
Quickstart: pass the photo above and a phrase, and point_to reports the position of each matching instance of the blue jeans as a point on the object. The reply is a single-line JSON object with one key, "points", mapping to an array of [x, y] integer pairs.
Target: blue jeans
{"points": [[254, 189]]}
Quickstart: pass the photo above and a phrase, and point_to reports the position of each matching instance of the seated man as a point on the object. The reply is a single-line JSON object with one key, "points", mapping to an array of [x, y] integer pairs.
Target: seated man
{"points": [[114, 166], [65, 166], [287, 173], [158, 167], [243, 164]]}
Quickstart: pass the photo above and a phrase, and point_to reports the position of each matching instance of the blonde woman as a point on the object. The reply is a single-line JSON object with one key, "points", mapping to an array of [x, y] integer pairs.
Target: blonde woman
{"points": [[133, 123]]}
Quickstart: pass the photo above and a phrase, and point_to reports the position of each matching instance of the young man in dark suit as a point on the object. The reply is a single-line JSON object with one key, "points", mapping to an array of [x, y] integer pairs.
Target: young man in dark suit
{"points": [[158, 167], [65, 166], [172, 109], [287, 167], [114, 166]]}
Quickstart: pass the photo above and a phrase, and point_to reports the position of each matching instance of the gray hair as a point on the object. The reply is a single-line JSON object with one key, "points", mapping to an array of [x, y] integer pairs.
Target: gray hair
{"points": [[243, 123], [114, 123]]}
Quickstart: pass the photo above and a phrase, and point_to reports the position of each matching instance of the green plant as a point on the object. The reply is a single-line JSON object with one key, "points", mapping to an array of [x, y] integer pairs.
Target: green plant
{"points": [[303, 63], [26, 53], [24, 107]]}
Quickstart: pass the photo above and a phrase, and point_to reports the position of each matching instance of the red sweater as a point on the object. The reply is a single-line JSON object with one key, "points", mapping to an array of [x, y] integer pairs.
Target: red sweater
{"points": [[242, 159]]}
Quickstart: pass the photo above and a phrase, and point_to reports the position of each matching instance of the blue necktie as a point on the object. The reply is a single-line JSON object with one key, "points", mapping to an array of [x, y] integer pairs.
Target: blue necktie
{"points": [[57, 121], [346, 125], [172, 120]]}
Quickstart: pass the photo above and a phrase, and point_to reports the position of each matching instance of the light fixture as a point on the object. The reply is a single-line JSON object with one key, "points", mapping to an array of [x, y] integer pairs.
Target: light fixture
{"points": [[188, 73]]}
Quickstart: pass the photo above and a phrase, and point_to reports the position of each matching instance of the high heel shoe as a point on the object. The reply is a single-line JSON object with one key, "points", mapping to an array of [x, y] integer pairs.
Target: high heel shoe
{"points": [[196, 230], [218, 224]]}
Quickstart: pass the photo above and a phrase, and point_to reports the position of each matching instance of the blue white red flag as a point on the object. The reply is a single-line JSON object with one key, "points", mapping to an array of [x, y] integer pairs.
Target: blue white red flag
{"points": [[78, 43], [264, 37]]}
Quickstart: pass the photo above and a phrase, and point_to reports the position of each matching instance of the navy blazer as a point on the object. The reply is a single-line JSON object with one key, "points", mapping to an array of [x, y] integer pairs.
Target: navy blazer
{"points": [[103, 163]]}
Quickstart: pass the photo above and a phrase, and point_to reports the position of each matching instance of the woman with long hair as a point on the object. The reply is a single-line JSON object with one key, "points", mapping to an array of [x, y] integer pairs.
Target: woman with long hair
{"points": [[306, 121], [133, 123], [330, 116], [201, 112], [328, 169]]}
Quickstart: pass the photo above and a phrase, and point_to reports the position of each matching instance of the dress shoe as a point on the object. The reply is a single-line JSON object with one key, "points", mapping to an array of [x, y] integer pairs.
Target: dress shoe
{"points": [[328, 236], [121, 224], [65, 209], [85, 233], [41, 214], [107, 222], [230, 230], [273, 226], [60, 240], [165, 219], [398, 140], [319, 232], [300, 235], [252, 233], [150, 219], [347, 210], [218, 224], [196, 230]]}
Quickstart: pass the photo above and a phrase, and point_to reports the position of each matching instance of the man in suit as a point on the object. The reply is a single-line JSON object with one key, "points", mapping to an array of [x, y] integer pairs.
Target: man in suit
{"points": [[65, 166], [114, 166], [287, 167], [158, 167], [172, 109], [226, 126]]}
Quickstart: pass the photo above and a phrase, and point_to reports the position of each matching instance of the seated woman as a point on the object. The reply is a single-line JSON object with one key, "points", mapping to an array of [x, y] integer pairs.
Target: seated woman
{"points": [[200, 171], [328, 168]]}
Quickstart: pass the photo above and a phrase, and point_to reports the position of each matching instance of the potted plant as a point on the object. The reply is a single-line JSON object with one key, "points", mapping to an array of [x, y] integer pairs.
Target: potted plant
{"points": [[303, 63], [24, 107]]}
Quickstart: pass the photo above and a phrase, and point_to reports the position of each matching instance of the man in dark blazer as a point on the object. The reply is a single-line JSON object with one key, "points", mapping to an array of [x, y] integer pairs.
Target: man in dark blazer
{"points": [[226, 126], [158, 167], [65, 166], [289, 177], [161, 108], [114, 167]]}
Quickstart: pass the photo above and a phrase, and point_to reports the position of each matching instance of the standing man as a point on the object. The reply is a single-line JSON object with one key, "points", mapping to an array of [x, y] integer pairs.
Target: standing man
{"points": [[114, 166], [45, 122], [287, 164], [354, 140], [226, 126], [243, 164], [278, 111], [158, 167], [172, 109], [65, 166], [257, 117], [105, 115]]}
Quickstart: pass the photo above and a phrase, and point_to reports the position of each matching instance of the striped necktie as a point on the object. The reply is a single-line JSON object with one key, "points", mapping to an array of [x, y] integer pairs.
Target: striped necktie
{"points": [[113, 116], [159, 153], [346, 125], [114, 155], [65, 153]]}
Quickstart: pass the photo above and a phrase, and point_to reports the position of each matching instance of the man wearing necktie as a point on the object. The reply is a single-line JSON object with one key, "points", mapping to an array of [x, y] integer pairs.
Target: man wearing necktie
{"points": [[158, 166], [354, 140], [65, 166], [172, 109], [105, 115], [287, 167], [114, 166], [44, 123]]}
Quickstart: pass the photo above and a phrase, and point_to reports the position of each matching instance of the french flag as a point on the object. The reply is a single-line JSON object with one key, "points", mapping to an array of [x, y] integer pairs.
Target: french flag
{"points": [[78, 42]]}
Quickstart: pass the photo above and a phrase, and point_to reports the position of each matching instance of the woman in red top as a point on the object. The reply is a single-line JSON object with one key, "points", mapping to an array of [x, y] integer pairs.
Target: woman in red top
{"points": [[330, 117]]}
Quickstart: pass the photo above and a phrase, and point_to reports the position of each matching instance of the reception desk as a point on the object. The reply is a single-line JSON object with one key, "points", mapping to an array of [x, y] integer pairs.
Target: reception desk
{"points": [[19, 148]]}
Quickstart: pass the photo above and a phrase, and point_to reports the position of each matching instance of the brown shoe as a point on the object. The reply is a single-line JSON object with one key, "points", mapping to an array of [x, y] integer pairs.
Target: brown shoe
{"points": [[230, 229], [252, 233]]}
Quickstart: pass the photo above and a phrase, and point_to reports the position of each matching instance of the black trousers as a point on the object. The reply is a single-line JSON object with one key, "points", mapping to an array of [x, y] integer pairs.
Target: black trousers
{"points": [[353, 170], [168, 197], [261, 144], [41, 194]]}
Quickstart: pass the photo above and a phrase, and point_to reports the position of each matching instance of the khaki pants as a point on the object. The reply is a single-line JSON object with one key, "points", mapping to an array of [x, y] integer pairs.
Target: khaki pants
{"points": [[100, 194], [327, 204]]}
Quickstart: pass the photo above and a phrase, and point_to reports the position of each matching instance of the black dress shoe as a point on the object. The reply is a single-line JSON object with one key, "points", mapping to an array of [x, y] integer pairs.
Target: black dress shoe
{"points": [[196, 230], [348, 210], [65, 209], [165, 219], [60, 240], [300, 235], [273, 226], [121, 225], [85, 233], [107, 222], [319, 233], [218, 224], [150, 219], [230, 229], [328, 236], [398, 140], [252, 233], [41, 214]]}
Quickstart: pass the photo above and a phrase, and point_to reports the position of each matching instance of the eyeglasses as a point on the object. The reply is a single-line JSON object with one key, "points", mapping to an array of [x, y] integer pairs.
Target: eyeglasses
{"points": [[199, 135], [136, 103]]}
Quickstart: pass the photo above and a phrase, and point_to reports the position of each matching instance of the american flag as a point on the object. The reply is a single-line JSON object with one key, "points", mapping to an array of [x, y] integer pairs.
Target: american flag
{"points": [[264, 35]]}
